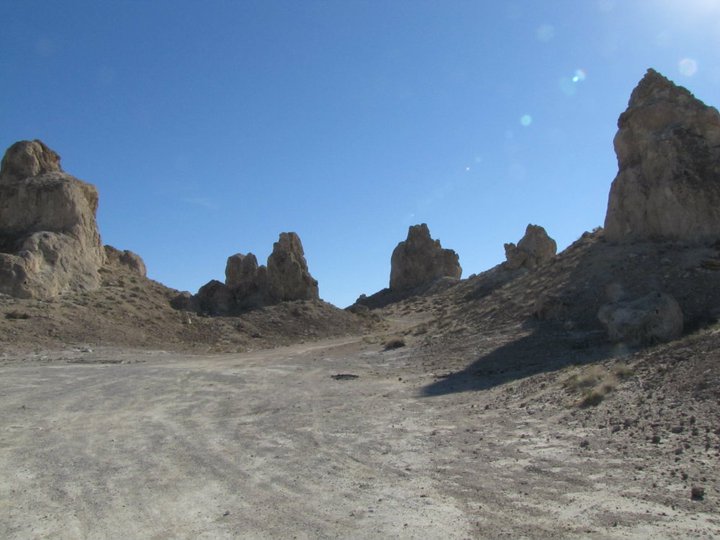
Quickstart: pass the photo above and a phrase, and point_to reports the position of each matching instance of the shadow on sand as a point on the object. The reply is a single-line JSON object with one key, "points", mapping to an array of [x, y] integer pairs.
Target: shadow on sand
{"points": [[539, 352]]}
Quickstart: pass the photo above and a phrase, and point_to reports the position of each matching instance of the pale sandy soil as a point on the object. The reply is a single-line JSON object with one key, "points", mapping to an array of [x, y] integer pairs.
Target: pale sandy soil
{"points": [[114, 443]]}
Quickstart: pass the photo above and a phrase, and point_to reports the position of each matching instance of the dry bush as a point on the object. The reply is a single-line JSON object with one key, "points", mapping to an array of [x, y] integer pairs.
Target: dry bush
{"points": [[394, 343], [16, 315], [591, 398], [623, 371], [596, 382]]}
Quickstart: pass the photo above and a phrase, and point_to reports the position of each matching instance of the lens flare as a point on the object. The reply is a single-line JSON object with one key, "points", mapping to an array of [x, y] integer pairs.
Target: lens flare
{"points": [[525, 120], [545, 33], [568, 85], [688, 67]]}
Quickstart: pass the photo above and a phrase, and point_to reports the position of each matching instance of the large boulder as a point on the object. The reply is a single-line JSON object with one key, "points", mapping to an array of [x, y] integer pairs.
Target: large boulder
{"points": [[533, 249], [656, 317], [420, 260], [49, 241], [668, 183]]}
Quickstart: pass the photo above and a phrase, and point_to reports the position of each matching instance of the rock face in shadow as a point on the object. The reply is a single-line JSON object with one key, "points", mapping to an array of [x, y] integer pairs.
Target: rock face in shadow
{"points": [[240, 270], [533, 249], [247, 282], [668, 183], [248, 285], [49, 241], [420, 260]]}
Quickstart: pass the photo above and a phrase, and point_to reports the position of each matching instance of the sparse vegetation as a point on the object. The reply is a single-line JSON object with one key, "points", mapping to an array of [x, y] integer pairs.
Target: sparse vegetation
{"points": [[16, 315], [394, 343], [596, 382], [623, 371], [594, 397]]}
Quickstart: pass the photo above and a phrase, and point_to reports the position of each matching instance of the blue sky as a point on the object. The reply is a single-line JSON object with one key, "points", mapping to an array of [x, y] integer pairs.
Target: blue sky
{"points": [[211, 127]]}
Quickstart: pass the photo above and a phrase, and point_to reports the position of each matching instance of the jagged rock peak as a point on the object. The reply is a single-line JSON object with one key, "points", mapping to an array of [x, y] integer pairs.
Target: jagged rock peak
{"points": [[420, 260], [288, 274], [533, 249], [668, 181], [655, 87]]}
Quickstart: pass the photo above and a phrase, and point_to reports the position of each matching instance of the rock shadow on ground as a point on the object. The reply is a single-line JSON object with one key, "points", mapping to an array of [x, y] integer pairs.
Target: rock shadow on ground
{"points": [[524, 357]]}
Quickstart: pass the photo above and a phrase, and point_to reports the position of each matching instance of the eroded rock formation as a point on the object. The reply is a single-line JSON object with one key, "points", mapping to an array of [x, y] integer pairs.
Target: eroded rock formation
{"points": [[248, 285], [420, 260], [287, 271], [126, 258], [533, 249], [668, 183], [49, 241]]}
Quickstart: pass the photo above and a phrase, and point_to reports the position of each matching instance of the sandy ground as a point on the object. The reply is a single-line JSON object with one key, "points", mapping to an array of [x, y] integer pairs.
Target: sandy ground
{"points": [[122, 444]]}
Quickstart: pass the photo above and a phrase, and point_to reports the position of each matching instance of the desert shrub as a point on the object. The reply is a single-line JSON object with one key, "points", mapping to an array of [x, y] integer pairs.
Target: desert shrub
{"points": [[623, 371], [591, 399], [594, 383], [15, 315], [587, 379], [394, 343]]}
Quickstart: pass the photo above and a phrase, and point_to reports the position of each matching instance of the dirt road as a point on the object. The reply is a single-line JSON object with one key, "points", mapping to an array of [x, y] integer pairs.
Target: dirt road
{"points": [[333, 440]]}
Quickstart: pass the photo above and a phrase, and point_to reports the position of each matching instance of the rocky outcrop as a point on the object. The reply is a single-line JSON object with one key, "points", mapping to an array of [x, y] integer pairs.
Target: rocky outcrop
{"points": [[126, 258], [654, 318], [214, 298], [287, 271], [248, 285], [49, 242], [240, 270], [26, 159], [420, 260], [533, 249], [668, 183]]}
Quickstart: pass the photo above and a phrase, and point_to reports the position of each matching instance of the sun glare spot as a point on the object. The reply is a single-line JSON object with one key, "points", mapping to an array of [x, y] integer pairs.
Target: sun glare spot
{"points": [[525, 120], [688, 67], [545, 33], [579, 76], [568, 85]]}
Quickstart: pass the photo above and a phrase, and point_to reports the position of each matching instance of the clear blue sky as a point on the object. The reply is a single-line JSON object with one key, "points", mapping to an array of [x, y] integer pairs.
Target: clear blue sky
{"points": [[210, 127]]}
